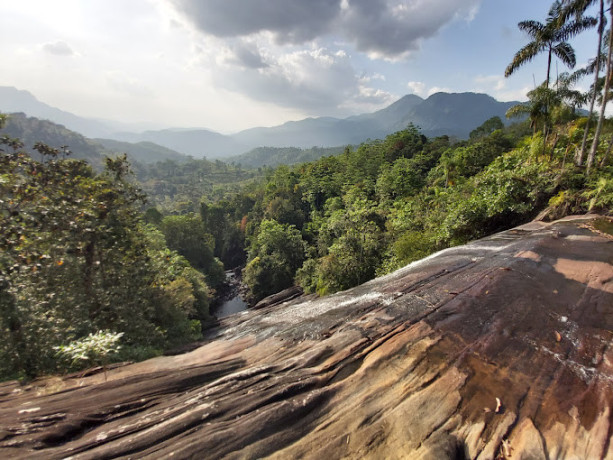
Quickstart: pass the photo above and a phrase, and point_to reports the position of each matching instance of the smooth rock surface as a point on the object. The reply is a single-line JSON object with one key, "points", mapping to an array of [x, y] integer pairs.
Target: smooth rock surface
{"points": [[497, 349]]}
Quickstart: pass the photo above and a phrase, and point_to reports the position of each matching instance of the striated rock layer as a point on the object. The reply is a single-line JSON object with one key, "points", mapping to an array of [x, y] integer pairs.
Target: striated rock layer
{"points": [[500, 348]]}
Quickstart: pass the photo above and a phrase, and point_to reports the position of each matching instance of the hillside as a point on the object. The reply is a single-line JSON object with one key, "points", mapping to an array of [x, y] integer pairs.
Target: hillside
{"points": [[275, 156], [440, 114], [199, 143], [143, 152], [497, 349], [31, 130], [453, 114]]}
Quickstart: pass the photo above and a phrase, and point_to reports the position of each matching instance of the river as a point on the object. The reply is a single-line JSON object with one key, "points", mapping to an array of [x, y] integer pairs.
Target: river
{"points": [[234, 302]]}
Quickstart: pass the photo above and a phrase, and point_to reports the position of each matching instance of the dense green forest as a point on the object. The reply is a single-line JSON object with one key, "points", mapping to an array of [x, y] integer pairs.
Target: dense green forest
{"points": [[139, 256], [76, 257]]}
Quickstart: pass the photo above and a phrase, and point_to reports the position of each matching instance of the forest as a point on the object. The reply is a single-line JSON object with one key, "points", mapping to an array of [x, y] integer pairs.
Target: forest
{"points": [[136, 254]]}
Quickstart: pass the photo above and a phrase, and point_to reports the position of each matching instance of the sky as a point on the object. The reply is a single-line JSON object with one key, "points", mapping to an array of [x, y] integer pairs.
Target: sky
{"points": [[228, 65]]}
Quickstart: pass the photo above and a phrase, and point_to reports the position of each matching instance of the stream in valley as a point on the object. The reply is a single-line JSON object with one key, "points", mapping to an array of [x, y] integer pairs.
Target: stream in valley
{"points": [[232, 301]]}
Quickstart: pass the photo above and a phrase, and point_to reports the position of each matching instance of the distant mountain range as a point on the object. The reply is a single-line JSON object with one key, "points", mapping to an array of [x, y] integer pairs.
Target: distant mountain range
{"points": [[31, 130], [453, 114], [14, 100]]}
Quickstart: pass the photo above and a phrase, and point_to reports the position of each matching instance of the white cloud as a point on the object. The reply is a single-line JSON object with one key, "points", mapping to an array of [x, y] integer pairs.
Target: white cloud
{"points": [[439, 89], [421, 89], [497, 86], [497, 82], [418, 88], [58, 48]]}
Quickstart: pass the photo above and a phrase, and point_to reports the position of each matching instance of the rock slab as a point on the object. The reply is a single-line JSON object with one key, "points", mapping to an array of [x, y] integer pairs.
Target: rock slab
{"points": [[497, 349]]}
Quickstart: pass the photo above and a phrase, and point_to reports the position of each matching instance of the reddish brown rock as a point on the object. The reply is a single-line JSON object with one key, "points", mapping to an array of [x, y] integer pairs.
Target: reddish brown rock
{"points": [[500, 348]]}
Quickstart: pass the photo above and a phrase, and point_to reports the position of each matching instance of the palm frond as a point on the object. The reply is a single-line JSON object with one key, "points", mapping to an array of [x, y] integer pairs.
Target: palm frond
{"points": [[565, 53], [523, 56], [570, 8], [531, 27], [517, 111], [575, 27]]}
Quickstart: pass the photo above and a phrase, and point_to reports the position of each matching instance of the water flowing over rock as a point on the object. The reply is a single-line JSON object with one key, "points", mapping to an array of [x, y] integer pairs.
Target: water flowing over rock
{"points": [[497, 349]]}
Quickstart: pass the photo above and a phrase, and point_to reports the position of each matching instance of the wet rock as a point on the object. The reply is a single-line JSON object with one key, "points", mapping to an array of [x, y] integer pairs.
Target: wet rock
{"points": [[454, 356], [280, 297]]}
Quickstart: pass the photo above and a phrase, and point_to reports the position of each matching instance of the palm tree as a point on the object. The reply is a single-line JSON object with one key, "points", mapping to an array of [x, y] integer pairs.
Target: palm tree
{"points": [[578, 8], [607, 86], [550, 37], [571, 97], [540, 99]]}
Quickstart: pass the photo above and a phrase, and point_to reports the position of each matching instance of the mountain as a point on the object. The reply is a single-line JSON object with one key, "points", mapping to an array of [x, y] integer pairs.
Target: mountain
{"points": [[14, 100], [497, 349], [143, 152], [453, 114], [441, 114], [196, 142], [31, 130]]}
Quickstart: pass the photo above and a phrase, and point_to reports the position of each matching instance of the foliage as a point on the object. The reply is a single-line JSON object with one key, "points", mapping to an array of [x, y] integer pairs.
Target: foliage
{"points": [[76, 258], [178, 186], [96, 348], [186, 235], [275, 253], [275, 156], [389, 202], [487, 128]]}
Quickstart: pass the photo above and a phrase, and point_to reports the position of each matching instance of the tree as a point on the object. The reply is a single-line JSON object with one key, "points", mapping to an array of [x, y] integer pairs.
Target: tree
{"points": [[276, 252], [351, 245], [76, 258], [592, 155], [540, 100], [186, 235], [550, 37], [578, 8], [487, 128]]}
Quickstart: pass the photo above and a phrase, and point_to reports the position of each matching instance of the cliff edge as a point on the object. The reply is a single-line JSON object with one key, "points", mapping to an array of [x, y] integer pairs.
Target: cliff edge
{"points": [[497, 349]]}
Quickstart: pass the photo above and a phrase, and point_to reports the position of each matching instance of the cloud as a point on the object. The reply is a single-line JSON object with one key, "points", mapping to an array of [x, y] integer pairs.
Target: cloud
{"points": [[389, 29], [497, 82], [58, 48], [312, 80], [421, 89], [247, 55], [293, 53], [291, 21], [497, 87], [417, 87], [393, 29], [122, 83]]}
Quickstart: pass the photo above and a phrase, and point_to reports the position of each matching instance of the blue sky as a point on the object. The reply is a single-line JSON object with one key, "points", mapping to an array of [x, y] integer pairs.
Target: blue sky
{"points": [[228, 65]]}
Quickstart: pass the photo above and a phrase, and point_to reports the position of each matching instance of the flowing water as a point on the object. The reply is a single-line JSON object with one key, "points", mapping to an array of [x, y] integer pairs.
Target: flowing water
{"points": [[229, 307], [234, 304]]}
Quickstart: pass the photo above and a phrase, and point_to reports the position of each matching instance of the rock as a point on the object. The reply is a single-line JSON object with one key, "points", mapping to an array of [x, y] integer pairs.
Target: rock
{"points": [[411, 365], [280, 297]]}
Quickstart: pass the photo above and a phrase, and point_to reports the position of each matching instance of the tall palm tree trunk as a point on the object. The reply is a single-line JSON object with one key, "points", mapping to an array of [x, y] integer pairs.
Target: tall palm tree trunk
{"points": [[607, 86], [548, 66], [601, 23]]}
